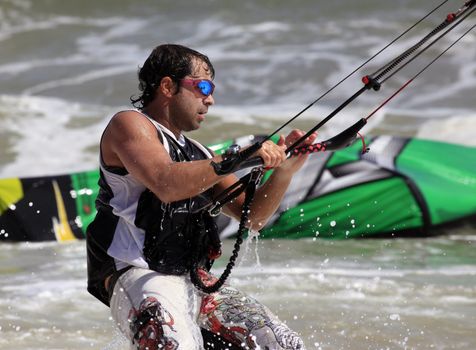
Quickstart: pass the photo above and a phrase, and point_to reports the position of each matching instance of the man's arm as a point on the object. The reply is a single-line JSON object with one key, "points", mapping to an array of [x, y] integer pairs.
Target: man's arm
{"points": [[131, 141], [266, 200]]}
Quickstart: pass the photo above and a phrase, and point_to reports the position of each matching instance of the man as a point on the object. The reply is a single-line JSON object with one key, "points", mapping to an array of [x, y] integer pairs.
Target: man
{"points": [[150, 229]]}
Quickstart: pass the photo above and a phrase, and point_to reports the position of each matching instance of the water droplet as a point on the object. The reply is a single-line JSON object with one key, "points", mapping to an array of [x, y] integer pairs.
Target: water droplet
{"points": [[395, 317]]}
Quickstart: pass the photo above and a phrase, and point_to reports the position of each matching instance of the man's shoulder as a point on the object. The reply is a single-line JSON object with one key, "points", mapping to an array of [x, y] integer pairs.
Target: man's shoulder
{"points": [[127, 124], [129, 118], [128, 114]]}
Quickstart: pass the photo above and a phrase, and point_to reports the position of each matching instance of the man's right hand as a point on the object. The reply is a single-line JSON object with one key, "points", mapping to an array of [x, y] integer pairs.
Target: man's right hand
{"points": [[273, 155]]}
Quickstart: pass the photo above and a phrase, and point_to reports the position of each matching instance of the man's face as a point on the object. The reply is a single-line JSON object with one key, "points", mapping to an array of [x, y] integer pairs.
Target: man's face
{"points": [[189, 106]]}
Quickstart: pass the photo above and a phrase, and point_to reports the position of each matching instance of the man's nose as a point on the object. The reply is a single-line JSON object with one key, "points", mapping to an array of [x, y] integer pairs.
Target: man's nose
{"points": [[209, 100]]}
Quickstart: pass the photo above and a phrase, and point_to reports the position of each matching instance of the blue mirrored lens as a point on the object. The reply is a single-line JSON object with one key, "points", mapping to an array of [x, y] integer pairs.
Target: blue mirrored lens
{"points": [[205, 87]]}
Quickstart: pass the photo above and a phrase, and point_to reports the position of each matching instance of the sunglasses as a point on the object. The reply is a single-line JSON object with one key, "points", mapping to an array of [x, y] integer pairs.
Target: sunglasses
{"points": [[204, 86]]}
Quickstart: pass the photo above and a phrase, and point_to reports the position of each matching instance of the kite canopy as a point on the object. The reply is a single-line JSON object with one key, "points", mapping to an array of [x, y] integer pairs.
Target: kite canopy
{"points": [[403, 186]]}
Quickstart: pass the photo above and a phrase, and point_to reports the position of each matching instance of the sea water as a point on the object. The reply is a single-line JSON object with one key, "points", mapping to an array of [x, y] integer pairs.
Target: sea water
{"points": [[353, 294], [66, 67]]}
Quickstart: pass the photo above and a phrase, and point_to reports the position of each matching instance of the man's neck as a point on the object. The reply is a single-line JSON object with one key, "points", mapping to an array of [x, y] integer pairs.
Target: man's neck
{"points": [[162, 118]]}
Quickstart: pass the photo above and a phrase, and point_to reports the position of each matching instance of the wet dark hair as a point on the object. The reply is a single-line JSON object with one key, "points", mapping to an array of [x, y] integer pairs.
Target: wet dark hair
{"points": [[168, 60]]}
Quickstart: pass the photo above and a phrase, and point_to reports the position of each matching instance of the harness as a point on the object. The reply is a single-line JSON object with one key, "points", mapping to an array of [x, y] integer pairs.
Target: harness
{"points": [[177, 235]]}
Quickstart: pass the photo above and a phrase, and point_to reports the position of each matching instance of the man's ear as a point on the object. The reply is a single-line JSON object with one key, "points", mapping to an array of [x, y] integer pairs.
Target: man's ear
{"points": [[168, 87]]}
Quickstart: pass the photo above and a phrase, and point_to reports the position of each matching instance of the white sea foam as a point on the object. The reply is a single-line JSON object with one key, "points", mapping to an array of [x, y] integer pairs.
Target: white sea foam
{"points": [[78, 80], [23, 25], [46, 145], [457, 129]]}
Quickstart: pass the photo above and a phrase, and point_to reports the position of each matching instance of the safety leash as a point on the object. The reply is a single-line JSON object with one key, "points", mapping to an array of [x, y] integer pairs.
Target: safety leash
{"points": [[250, 189]]}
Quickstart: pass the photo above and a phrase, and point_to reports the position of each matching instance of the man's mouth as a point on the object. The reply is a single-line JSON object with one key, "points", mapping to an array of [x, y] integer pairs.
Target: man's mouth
{"points": [[201, 116]]}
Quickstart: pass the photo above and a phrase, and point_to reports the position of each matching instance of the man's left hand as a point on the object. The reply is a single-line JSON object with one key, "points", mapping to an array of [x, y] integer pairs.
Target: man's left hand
{"points": [[293, 164]]}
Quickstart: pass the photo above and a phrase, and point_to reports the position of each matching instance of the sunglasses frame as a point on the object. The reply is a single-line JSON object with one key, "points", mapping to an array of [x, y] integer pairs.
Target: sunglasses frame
{"points": [[195, 82]]}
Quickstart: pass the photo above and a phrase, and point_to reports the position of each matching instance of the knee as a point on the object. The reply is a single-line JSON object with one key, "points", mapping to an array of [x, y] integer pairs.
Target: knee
{"points": [[150, 325]]}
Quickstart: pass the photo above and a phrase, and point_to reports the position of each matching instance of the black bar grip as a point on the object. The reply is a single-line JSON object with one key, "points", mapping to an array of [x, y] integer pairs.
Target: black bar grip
{"points": [[251, 163], [233, 162], [314, 148]]}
